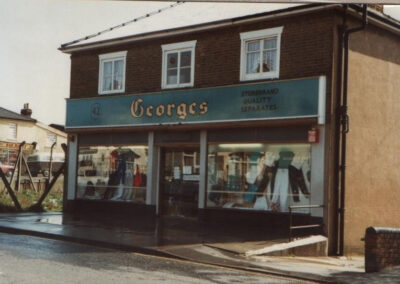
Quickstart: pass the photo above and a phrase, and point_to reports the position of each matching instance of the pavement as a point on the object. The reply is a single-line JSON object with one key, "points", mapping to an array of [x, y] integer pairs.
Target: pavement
{"points": [[194, 241]]}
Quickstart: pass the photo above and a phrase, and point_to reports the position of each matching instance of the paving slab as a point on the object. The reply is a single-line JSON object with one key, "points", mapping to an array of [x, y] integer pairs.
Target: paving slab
{"points": [[194, 242]]}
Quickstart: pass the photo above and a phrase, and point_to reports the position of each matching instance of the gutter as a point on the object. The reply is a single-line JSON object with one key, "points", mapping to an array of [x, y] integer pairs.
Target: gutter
{"points": [[376, 18]]}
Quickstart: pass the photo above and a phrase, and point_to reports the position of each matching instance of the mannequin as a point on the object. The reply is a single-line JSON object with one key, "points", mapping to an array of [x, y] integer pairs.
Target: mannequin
{"points": [[251, 176], [128, 185], [280, 178], [234, 178], [120, 177]]}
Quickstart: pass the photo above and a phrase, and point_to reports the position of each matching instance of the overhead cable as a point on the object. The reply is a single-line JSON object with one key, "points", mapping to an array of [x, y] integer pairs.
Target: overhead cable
{"points": [[123, 24]]}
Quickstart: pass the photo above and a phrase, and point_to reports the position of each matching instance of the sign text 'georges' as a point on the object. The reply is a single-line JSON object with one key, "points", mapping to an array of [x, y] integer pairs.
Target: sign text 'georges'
{"points": [[138, 109]]}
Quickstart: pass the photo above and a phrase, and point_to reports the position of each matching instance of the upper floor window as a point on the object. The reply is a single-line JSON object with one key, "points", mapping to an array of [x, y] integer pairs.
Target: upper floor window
{"points": [[260, 53], [178, 65], [12, 131], [112, 72]]}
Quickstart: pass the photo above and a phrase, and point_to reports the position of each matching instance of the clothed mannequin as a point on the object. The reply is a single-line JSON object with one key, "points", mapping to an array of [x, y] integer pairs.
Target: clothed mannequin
{"points": [[280, 178], [128, 185], [281, 185], [120, 176], [251, 177], [234, 178]]}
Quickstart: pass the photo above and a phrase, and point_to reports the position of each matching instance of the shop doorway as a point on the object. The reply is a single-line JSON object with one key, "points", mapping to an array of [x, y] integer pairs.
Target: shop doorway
{"points": [[179, 181]]}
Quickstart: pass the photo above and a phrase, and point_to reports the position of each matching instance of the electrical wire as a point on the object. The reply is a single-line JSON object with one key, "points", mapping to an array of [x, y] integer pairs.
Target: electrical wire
{"points": [[123, 24]]}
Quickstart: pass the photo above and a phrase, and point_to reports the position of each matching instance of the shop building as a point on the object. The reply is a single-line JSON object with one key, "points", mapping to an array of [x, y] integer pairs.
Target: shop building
{"points": [[237, 120]]}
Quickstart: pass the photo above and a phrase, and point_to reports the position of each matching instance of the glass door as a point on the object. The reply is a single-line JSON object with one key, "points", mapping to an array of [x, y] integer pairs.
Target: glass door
{"points": [[179, 181]]}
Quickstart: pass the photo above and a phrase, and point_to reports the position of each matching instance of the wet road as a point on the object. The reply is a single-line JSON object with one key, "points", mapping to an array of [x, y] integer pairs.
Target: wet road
{"points": [[25, 259]]}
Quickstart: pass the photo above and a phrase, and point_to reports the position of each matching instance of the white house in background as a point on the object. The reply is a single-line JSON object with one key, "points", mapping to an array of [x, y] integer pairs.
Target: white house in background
{"points": [[16, 128]]}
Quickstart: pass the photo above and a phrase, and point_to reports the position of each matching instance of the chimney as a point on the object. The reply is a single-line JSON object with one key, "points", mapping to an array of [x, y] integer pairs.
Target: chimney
{"points": [[26, 111]]}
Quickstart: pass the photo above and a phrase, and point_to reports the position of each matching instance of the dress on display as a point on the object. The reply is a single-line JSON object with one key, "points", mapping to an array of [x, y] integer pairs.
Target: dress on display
{"points": [[120, 177]]}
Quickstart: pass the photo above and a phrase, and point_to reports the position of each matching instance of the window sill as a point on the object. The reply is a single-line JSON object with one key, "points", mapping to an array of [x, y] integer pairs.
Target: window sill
{"points": [[112, 92], [177, 86], [259, 77]]}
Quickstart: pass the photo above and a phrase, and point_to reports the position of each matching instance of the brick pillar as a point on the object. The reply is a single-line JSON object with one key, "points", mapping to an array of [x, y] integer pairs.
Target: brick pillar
{"points": [[371, 264], [382, 248]]}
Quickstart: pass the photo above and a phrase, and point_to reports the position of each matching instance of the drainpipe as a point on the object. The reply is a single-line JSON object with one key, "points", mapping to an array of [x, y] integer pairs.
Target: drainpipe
{"points": [[339, 85], [343, 119]]}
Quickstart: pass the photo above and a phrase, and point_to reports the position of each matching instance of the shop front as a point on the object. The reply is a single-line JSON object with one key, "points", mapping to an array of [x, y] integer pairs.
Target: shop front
{"points": [[247, 149]]}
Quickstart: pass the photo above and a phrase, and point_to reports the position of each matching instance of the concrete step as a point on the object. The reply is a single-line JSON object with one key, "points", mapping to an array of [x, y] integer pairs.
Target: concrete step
{"points": [[309, 246]]}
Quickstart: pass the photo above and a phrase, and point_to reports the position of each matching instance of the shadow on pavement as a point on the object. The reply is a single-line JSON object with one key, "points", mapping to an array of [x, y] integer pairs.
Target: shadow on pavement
{"points": [[389, 275], [136, 231]]}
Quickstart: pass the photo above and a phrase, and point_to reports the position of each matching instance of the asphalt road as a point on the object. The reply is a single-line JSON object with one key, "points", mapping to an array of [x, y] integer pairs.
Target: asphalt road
{"points": [[26, 259]]}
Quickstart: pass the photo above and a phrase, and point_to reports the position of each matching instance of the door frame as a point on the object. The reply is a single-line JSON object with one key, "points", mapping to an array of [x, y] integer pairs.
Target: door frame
{"points": [[202, 144], [161, 164]]}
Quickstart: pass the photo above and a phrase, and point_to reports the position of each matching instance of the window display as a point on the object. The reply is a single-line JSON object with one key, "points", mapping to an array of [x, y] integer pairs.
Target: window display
{"points": [[259, 176], [112, 173]]}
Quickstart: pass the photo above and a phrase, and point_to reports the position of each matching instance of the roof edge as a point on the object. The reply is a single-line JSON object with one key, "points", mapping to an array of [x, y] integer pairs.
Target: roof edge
{"points": [[377, 18], [20, 119], [199, 27], [17, 116], [374, 17]]}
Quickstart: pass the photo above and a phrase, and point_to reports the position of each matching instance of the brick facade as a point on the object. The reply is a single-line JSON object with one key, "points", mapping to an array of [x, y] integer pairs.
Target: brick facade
{"points": [[306, 50]]}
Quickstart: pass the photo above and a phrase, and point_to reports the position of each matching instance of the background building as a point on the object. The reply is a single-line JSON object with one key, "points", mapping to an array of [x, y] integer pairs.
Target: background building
{"points": [[16, 128]]}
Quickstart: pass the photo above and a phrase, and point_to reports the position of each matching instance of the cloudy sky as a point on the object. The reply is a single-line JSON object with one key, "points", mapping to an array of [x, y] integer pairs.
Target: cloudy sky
{"points": [[34, 71]]}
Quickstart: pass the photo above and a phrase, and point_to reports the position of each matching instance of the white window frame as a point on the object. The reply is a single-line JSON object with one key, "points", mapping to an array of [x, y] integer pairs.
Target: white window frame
{"points": [[9, 134], [260, 35], [177, 48], [111, 57]]}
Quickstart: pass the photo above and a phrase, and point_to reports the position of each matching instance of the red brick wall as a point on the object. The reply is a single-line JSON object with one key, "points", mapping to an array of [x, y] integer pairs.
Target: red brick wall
{"points": [[306, 50], [382, 248]]}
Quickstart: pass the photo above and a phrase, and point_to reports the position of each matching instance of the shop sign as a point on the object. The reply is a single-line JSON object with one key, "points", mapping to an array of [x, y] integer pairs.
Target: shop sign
{"points": [[290, 99], [10, 145]]}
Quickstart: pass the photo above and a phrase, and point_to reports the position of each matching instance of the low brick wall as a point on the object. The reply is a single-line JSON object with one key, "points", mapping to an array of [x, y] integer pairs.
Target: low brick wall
{"points": [[382, 248]]}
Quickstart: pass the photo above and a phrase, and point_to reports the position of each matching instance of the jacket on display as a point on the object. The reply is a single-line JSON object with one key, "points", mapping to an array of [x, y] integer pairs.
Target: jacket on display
{"points": [[296, 180]]}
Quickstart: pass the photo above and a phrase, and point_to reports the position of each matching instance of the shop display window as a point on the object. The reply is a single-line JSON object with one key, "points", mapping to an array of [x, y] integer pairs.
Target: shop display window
{"points": [[266, 177], [112, 173]]}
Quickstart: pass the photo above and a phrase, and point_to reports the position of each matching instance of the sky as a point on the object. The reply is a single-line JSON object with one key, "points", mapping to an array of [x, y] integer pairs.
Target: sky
{"points": [[33, 71]]}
